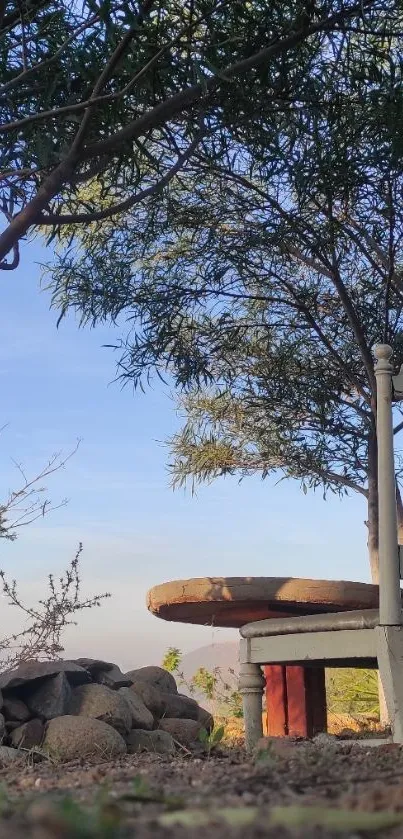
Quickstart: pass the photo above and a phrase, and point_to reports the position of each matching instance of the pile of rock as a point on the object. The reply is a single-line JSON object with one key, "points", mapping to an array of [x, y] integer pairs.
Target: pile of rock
{"points": [[89, 709]]}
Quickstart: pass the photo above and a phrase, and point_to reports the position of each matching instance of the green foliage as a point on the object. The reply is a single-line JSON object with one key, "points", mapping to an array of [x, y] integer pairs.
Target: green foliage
{"points": [[210, 740], [259, 281], [212, 685], [172, 659], [352, 691], [123, 93]]}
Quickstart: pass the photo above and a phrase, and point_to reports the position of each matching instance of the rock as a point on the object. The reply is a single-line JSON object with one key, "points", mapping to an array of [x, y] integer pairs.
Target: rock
{"points": [[15, 709], [155, 676], [151, 697], [185, 732], [12, 724], [159, 742], [51, 698], [70, 738], [112, 678], [282, 747], [102, 703], [9, 755], [93, 665], [205, 718], [29, 735], [141, 716], [2, 728], [180, 707], [31, 671]]}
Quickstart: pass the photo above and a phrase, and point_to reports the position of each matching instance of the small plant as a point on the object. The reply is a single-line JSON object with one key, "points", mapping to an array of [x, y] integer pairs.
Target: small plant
{"points": [[210, 740], [211, 684]]}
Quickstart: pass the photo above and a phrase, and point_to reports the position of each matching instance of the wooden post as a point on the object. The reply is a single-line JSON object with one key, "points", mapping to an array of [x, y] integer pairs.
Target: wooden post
{"points": [[295, 700]]}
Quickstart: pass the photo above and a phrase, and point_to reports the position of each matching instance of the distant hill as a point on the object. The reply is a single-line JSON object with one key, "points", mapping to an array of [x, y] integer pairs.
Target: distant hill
{"points": [[223, 655]]}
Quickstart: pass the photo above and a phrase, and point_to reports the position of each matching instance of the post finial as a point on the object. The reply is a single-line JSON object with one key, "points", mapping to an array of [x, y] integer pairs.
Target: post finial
{"points": [[383, 352]]}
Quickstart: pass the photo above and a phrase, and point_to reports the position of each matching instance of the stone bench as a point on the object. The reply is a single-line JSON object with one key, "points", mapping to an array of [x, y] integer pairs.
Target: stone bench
{"points": [[295, 694]]}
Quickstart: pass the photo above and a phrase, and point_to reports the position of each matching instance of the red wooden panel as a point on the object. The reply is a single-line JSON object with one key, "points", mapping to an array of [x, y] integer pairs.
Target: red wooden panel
{"points": [[276, 700], [297, 702]]}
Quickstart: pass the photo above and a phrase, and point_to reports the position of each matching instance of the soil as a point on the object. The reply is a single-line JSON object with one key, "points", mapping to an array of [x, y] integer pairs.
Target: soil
{"points": [[126, 798]]}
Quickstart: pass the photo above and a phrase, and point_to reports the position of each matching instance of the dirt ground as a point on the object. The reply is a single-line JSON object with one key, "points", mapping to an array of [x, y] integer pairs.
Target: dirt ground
{"points": [[221, 795]]}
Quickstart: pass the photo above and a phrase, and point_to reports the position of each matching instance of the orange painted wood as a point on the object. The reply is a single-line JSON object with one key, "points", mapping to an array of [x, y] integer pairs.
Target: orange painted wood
{"points": [[276, 700], [295, 700], [235, 601]]}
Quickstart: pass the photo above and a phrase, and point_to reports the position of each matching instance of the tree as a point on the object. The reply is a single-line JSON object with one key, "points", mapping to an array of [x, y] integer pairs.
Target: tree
{"points": [[124, 93], [262, 278]]}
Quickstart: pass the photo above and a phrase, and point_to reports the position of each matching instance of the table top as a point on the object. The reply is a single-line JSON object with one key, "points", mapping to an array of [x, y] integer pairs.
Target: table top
{"points": [[235, 601]]}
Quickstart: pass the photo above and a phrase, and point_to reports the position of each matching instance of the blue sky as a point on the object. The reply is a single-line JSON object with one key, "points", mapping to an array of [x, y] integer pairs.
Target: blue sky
{"points": [[57, 387]]}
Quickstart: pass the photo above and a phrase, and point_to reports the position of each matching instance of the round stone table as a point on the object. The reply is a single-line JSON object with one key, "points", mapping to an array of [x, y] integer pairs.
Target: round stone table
{"points": [[295, 696]]}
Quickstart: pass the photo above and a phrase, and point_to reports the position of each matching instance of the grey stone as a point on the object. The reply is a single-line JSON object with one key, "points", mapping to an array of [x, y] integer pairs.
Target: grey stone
{"points": [[156, 676], [15, 709], [94, 664], [180, 707], [103, 704], [159, 742], [141, 716], [32, 671], [2, 728], [29, 735], [51, 698], [9, 755], [151, 696], [185, 732], [69, 738], [206, 719], [112, 678]]}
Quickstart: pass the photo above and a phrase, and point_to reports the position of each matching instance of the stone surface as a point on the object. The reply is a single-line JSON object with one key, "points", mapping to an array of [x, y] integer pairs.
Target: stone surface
{"points": [[156, 676], [158, 741], [141, 716], [31, 671], [185, 732], [70, 738], [180, 707], [283, 747], [102, 703], [15, 709], [29, 735], [94, 664], [9, 755], [205, 719], [51, 698], [2, 727], [151, 696], [112, 678]]}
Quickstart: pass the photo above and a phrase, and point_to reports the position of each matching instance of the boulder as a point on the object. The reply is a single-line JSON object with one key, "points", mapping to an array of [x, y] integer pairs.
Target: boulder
{"points": [[2, 728], [51, 698], [151, 696], [102, 703], [9, 755], [112, 678], [32, 671], [185, 732], [180, 707], [141, 716], [156, 676], [15, 709], [159, 742], [71, 738], [94, 664], [29, 735], [206, 719]]}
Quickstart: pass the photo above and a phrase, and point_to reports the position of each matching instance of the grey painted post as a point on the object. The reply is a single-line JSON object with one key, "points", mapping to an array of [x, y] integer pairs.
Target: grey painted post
{"points": [[390, 609], [251, 684]]}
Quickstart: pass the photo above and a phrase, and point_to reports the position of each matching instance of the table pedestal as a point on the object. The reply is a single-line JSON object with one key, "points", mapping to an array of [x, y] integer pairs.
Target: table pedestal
{"points": [[295, 700]]}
